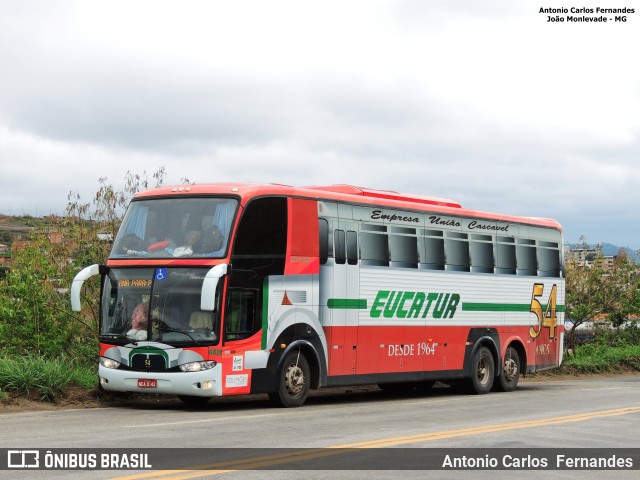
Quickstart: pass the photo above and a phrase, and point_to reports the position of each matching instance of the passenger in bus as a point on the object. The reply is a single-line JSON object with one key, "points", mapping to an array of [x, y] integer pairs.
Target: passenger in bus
{"points": [[139, 322], [212, 240], [190, 243], [161, 241], [131, 244]]}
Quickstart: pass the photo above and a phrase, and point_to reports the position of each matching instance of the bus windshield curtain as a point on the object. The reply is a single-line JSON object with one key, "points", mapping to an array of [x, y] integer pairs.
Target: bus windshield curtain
{"points": [[223, 218], [138, 221]]}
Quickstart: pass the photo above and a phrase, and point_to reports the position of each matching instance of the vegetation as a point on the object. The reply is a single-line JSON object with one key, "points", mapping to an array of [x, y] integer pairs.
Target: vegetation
{"points": [[45, 379], [38, 330], [614, 349], [595, 292]]}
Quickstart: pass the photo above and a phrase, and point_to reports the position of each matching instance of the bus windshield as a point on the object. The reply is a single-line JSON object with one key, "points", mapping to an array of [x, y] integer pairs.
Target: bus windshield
{"points": [[161, 304], [176, 227]]}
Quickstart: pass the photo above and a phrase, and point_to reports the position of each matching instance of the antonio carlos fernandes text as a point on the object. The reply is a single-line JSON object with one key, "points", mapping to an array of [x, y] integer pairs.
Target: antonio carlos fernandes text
{"points": [[560, 461]]}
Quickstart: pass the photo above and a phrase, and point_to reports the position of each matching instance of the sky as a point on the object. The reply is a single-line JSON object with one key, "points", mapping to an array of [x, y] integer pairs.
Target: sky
{"points": [[481, 101]]}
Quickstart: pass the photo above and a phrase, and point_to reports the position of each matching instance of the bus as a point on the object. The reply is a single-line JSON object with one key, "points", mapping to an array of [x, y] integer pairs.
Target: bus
{"points": [[229, 289]]}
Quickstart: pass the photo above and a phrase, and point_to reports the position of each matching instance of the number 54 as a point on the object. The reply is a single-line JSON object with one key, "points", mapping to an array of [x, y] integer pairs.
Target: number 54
{"points": [[547, 319]]}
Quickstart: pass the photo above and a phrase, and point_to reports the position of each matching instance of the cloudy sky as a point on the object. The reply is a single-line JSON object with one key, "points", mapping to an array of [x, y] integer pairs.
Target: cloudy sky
{"points": [[481, 101]]}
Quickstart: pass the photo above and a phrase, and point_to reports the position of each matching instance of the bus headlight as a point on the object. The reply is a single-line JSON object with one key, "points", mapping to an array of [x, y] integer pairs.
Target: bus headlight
{"points": [[198, 366], [109, 363]]}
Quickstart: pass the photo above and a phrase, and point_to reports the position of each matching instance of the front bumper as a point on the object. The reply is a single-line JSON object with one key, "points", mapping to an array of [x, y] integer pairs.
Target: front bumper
{"points": [[207, 383]]}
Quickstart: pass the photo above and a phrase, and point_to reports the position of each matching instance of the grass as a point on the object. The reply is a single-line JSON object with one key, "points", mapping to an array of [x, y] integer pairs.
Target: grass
{"points": [[47, 379], [594, 358]]}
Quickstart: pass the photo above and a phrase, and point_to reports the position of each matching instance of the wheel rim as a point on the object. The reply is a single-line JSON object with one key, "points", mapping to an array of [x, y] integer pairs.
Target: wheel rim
{"points": [[510, 369], [294, 379], [482, 372]]}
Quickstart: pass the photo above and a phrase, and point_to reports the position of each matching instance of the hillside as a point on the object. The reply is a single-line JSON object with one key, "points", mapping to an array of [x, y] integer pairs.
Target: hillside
{"points": [[17, 228]]}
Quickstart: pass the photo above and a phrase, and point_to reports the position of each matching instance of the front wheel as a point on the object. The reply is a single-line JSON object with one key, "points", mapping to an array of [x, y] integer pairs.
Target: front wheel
{"points": [[482, 372], [294, 380], [508, 379]]}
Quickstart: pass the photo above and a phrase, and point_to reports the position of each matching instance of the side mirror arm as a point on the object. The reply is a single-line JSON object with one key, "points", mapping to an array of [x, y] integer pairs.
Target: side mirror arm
{"points": [[79, 279], [210, 287]]}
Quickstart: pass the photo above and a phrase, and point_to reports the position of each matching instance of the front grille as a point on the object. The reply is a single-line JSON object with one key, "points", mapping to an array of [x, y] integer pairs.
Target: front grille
{"points": [[148, 362]]}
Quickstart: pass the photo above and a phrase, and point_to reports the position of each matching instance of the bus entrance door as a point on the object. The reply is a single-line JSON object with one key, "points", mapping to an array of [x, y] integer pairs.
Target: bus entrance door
{"points": [[343, 273]]}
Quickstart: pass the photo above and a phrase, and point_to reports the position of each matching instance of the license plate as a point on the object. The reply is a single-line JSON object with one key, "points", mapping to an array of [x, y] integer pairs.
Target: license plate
{"points": [[147, 383]]}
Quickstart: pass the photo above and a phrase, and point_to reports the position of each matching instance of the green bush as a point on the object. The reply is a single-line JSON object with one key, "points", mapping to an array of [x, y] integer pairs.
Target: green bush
{"points": [[45, 378], [598, 358]]}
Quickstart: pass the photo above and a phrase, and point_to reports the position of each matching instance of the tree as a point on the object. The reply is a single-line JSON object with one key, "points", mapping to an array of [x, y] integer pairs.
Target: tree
{"points": [[593, 290], [35, 316]]}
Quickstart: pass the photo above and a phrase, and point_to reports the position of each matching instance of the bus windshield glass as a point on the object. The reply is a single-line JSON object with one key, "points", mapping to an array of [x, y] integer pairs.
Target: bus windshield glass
{"points": [[176, 227], [161, 304]]}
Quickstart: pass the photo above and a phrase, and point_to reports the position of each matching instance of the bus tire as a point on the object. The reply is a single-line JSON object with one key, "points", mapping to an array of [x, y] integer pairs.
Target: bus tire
{"points": [[482, 372], [508, 379], [294, 379]]}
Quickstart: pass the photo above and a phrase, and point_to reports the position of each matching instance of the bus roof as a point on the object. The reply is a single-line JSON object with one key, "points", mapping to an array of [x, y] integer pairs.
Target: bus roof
{"points": [[345, 193]]}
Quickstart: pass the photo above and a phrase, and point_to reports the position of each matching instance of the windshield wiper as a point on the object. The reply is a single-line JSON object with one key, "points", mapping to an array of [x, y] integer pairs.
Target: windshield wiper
{"points": [[119, 336], [179, 330]]}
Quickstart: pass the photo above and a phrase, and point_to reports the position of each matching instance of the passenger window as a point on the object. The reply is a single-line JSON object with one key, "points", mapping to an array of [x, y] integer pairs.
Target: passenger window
{"points": [[339, 245], [456, 248], [548, 255], [324, 240], [526, 262], [352, 248], [403, 245], [374, 245], [481, 253], [432, 250], [505, 255]]}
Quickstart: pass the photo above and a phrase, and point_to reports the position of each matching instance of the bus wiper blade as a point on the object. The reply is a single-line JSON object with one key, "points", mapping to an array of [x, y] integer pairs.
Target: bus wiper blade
{"points": [[119, 336], [179, 330]]}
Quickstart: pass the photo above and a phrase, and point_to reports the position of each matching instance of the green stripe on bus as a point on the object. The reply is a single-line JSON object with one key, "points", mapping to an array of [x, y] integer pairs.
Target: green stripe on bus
{"points": [[347, 303], [503, 307]]}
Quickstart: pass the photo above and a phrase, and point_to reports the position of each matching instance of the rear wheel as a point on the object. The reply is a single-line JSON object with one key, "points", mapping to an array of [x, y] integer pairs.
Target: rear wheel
{"points": [[294, 380], [508, 379], [482, 372]]}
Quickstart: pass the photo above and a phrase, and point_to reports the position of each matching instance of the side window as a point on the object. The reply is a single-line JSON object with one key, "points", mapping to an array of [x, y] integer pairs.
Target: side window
{"points": [[263, 228], [506, 255], [481, 253], [403, 245], [548, 255], [261, 240], [242, 316], [456, 249], [526, 263], [352, 248], [432, 250], [324, 240], [340, 247], [374, 245]]}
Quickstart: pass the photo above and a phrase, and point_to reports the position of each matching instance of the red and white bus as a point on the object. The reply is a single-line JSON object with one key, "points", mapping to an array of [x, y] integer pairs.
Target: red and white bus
{"points": [[230, 289]]}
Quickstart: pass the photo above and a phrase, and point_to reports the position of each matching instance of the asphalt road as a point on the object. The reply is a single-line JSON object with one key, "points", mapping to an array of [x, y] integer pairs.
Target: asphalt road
{"points": [[599, 412]]}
